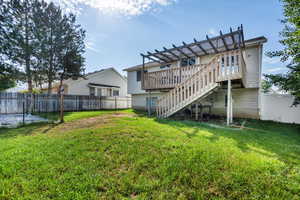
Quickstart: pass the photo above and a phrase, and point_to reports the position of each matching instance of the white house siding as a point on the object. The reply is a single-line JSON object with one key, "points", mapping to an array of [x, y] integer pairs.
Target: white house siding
{"points": [[277, 107], [134, 86], [246, 100], [245, 103], [107, 77], [139, 100], [252, 58]]}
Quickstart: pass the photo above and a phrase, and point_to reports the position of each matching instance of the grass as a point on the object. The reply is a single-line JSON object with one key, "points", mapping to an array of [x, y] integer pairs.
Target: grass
{"points": [[122, 155]]}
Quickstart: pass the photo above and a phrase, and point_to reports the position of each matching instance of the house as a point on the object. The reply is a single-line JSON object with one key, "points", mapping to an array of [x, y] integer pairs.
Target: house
{"points": [[219, 75], [105, 82]]}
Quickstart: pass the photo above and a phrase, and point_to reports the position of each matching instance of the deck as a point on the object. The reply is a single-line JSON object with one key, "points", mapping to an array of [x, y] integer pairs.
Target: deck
{"points": [[229, 65]]}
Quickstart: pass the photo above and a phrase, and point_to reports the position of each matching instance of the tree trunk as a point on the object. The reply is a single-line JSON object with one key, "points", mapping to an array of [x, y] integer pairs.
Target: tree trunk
{"points": [[27, 56], [49, 87]]}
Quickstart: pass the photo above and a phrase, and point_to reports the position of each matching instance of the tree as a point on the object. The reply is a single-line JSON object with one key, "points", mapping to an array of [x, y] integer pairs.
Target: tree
{"points": [[7, 71], [266, 86], [71, 61], [49, 31], [18, 35], [7, 77], [290, 81]]}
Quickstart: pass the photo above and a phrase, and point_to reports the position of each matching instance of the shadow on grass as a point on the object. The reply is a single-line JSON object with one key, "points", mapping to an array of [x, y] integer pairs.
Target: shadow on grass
{"points": [[22, 130], [280, 139]]}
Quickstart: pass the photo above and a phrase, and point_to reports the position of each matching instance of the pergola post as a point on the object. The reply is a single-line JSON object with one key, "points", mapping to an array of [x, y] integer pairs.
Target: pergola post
{"points": [[196, 110], [229, 104], [149, 103], [143, 70]]}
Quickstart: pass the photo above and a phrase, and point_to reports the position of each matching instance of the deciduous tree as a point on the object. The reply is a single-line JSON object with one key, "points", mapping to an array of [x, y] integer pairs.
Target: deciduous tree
{"points": [[289, 81]]}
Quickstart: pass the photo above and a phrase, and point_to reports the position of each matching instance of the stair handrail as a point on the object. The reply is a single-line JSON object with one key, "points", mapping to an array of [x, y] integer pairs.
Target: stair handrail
{"points": [[197, 73]]}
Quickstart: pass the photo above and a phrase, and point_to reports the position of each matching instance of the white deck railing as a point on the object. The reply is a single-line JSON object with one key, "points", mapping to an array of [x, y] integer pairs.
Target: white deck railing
{"points": [[221, 68]]}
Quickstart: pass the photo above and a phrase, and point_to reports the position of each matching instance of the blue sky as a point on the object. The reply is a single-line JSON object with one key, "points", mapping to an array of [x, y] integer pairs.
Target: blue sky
{"points": [[119, 30]]}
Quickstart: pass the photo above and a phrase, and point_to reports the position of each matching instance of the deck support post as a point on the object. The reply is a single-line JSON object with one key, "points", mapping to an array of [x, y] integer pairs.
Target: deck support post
{"points": [[143, 71], [196, 110], [231, 108], [149, 103], [229, 104]]}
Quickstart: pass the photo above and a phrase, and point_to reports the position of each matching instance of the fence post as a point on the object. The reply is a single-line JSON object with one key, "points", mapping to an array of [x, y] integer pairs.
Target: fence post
{"points": [[115, 103], [23, 113]]}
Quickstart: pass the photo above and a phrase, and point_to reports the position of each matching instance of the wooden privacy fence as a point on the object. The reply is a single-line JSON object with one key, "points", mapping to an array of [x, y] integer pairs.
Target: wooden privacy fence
{"points": [[21, 102]]}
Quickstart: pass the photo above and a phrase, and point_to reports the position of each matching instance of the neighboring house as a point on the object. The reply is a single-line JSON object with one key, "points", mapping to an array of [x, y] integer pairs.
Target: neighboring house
{"points": [[194, 77], [105, 82]]}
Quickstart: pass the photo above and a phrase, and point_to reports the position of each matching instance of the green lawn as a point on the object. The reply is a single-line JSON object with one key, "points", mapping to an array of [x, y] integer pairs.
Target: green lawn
{"points": [[122, 155]]}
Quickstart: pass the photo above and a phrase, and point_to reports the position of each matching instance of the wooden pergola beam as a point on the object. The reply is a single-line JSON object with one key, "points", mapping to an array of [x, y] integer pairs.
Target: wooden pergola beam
{"points": [[199, 45], [178, 49], [232, 37], [224, 42], [242, 33], [164, 55], [146, 56], [173, 54], [211, 44], [190, 49], [151, 54]]}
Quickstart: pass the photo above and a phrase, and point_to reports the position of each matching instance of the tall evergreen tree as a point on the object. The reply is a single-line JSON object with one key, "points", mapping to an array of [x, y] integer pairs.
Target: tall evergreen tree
{"points": [[71, 61], [290, 81], [49, 21], [19, 35], [7, 71]]}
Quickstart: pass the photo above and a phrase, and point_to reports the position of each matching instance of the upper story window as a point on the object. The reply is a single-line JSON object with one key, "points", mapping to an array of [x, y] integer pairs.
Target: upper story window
{"points": [[139, 75], [165, 66], [187, 61]]}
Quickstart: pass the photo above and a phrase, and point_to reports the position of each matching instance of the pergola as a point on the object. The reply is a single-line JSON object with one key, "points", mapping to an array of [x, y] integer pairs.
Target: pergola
{"points": [[214, 45], [224, 42]]}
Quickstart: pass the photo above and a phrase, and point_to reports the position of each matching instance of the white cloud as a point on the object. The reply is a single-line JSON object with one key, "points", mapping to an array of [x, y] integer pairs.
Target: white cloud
{"points": [[269, 60], [123, 7], [90, 45], [276, 69], [212, 32]]}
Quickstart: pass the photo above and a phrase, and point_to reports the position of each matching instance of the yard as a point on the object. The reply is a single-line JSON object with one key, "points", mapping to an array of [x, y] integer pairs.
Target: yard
{"points": [[125, 155]]}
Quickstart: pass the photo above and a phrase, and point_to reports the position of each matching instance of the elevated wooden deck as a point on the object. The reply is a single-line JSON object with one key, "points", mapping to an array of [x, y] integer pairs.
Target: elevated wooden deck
{"points": [[226, 65]]}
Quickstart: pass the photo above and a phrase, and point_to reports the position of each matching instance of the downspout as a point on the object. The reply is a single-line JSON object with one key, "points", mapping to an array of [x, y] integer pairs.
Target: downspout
{"points": [[260, 51]]}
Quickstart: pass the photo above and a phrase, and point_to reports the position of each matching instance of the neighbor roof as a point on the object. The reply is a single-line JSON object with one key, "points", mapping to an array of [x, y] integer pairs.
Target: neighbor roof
{"points": [[102, 85]]}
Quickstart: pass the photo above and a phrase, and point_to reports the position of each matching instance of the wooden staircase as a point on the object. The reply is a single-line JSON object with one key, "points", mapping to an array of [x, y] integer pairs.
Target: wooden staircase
{"points": [[202, 83]]}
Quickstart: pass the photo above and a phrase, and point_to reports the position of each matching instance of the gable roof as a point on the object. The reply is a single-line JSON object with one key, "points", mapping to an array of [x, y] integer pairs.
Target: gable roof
{"points": [[86, 76]]}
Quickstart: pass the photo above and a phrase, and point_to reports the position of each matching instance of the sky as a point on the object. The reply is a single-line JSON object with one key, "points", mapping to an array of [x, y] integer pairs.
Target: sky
{"points": [[117, 31]]}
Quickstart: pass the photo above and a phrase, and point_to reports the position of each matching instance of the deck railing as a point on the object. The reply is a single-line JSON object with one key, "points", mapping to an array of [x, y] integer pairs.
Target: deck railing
{"points": [[168, 78], [227, 64], [221, 68]]}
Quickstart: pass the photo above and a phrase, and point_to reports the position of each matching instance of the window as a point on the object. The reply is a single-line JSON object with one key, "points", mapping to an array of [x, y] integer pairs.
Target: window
{"points": [[99, 92], [92, 91], [138, 75], [184, 62], [188, 61], [115, 93], [192, 61], [165, 66]]}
